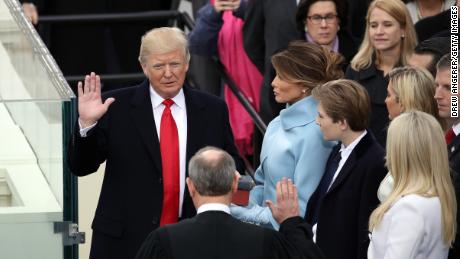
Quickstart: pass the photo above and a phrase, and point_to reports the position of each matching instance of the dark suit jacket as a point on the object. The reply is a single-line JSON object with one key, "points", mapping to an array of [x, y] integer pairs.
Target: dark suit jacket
{"points": [[132, 191], [343, 217], [216, 234], [431, 26], [268, 28], [347, 46], [453, 150]]}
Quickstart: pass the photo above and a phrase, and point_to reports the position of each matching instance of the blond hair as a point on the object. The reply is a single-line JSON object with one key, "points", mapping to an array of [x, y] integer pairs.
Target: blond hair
{"points": [[417, 160], [396, 9], [415, 89], [163, 40]]}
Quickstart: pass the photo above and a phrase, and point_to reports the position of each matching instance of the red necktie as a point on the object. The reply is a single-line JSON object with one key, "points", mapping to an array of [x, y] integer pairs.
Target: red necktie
{"points": [[169, 146], [450, 135]]}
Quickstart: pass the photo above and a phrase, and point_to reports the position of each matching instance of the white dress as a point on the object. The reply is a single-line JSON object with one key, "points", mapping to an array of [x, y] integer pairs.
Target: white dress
{"points": [[410, 229]]}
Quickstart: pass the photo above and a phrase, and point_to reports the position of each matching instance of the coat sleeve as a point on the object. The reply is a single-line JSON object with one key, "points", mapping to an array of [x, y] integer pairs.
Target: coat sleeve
{"points": [[253, 33], [85, 154], [298, 233], [151, 248], [311, 160], [256, 212], [203, 38]]}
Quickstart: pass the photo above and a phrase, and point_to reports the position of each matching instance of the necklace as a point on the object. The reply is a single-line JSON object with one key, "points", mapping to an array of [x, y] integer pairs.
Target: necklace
{"points": [[419, 13]]}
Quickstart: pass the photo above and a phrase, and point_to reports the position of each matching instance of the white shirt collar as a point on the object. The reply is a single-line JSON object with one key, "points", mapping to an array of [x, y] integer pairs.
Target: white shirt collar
{"points": [[213, 206], [346, 151], [456, 128], [157, 100]]}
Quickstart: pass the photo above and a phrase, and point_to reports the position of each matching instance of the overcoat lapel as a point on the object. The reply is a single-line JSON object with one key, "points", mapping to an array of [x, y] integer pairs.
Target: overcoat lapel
{"points": [[196, 121], [142, 114], [357, 152]]}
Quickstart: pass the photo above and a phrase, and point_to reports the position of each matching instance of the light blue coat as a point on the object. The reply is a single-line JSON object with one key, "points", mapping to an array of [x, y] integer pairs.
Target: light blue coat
{"points": [[293, 147]]}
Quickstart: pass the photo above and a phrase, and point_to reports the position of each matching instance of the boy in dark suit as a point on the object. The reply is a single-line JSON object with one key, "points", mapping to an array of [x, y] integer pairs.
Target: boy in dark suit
{"points": [[340, 207], [214, 233]]}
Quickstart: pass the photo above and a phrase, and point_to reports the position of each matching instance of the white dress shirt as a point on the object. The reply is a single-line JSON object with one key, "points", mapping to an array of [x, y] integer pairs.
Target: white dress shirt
{"points": [[410, 229], [456, 129], [344, 154], [179, 113], [213, 206]]}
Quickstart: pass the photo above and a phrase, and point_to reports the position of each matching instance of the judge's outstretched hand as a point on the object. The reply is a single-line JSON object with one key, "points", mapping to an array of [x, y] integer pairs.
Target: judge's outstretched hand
{"points": [[90, 105], [287, 203]]}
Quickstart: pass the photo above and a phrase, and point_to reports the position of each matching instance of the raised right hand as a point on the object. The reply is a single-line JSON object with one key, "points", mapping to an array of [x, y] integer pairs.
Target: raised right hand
{"points": [[90, 105], [287, 201]]}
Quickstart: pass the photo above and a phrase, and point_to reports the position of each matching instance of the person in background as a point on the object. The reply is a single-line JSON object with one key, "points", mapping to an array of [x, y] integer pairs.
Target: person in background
{"points": [[293, 145], [145, 134], [409, 89], [434, 26], [357, 17], [30, 11], [269, 26], [428, 52], [417, 220], [213, 233], [443, 97], [420, 9], [203, 72], [218, 32], [388, 42], [339, 209], [324, 22]]}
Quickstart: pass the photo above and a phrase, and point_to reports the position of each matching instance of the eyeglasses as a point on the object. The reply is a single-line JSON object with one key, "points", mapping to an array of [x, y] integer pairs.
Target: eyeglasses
{"points": [[318, 19]]}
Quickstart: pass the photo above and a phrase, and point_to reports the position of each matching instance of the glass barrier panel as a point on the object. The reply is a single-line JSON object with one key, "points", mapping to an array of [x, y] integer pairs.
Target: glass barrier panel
{"points": [[32, 96]]}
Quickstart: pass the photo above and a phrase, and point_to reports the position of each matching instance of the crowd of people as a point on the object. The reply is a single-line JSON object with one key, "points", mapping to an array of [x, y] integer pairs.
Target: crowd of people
{"points": [[360, 157]]}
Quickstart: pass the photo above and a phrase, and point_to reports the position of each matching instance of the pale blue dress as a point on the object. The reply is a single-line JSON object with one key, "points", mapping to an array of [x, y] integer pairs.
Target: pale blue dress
{"points": [[293, 147]]}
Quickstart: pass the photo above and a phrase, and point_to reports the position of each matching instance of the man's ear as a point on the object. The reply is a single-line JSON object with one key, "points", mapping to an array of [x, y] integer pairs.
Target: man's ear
{"points": [[235, 182], [343, 123], [144, 67], [191, 187]]}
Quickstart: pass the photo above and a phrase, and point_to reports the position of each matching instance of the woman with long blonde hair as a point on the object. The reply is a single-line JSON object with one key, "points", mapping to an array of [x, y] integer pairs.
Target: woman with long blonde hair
{"points": [[388, 42], [411, 88], [417, 220]]}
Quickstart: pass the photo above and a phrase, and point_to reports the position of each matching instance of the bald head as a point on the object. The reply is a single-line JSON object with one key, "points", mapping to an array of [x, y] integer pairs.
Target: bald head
{"points": [[212, 171]]}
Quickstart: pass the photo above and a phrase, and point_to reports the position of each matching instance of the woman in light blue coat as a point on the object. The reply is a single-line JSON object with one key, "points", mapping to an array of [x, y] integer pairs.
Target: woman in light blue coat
{"points": [[293, 146]]}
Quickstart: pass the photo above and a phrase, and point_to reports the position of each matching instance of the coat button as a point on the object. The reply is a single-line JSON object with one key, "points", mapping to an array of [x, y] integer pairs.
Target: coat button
{"points": [[155, 221], [160, 180]]}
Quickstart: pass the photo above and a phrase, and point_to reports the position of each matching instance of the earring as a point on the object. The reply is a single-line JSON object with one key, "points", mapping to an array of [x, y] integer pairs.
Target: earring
{"points": [[304, 91], [402, 36]]}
